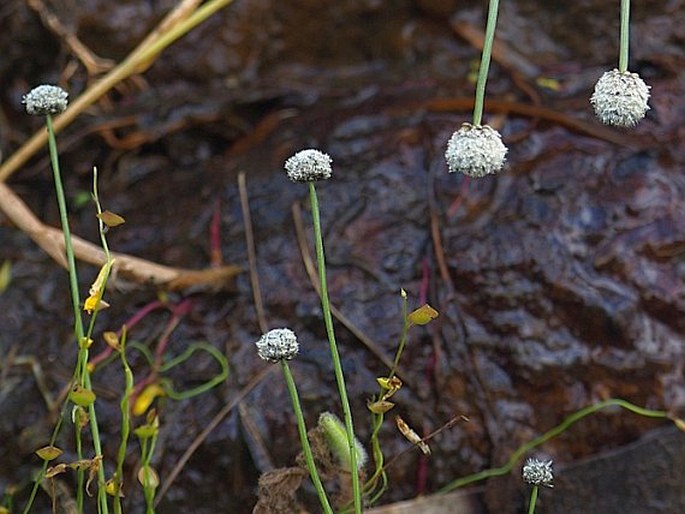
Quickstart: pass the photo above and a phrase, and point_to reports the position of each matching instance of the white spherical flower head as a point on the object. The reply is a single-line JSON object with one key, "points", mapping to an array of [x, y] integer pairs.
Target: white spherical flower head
{"points": [[475, 150], [538, 472], [45, 99], [308, 166], [277, 345], [620, 98]]}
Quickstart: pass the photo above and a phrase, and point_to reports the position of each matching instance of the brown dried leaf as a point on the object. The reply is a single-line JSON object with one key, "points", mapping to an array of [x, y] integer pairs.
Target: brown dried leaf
{"points": [[411, 436], [111, 219]]}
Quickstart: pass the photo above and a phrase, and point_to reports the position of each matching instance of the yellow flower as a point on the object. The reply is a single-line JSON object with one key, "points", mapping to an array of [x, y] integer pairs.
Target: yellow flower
{"points": [[94, 300], [146, 397]]}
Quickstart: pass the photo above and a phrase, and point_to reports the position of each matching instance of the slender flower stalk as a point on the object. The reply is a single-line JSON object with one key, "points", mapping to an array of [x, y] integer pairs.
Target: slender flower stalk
{"points": [[308, 166], [477, 150], [533, 499], [625, 36], [306, 448], [125, 407], [485, 58], [64, 220], [620, 97], [337, 366], [47, 100]]}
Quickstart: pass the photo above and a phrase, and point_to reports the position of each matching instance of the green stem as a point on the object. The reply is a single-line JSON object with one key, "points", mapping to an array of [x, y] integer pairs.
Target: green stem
{"points": [[62, 203], [533, 499], [83, 376], [125, 408], [485, 62], [80, 474], [302, 429], [403, 338], [337, 367], [97, 445], [550, 434], [39, 476], [147, 450], [625, 36]]}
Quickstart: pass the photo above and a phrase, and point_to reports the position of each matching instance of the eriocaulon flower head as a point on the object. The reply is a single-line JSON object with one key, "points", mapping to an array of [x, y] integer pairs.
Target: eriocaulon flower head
{"points": [[620, 98], [45, 99], [308, 166], [277, 345], [475, 150], [538, 472]]}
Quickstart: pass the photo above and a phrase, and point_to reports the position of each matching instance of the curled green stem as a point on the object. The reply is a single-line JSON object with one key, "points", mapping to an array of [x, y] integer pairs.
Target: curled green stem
{"points": [[550, 434]]}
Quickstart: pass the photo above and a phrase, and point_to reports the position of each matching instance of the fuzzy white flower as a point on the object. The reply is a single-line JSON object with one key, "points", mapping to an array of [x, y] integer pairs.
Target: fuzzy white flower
{"points": [[45, 99], [308, 166], [475, 150], [620, 98], [277, 345], [538, 472]]}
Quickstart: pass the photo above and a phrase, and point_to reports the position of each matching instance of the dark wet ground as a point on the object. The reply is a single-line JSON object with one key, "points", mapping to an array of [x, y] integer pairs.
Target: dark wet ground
{"points": [[564, 274]]}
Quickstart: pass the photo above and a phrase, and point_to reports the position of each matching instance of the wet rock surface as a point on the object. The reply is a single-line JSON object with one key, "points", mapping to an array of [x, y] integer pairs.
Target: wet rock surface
{"points": [[562, 280]]}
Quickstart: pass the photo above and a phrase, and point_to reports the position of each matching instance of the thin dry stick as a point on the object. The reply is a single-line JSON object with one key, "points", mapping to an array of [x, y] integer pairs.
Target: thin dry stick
{"points": [[93, 63], [254, 439], [251, 253], [451, 104], [218, 418], [258, 448], [126, 267], [449, 424], [183, 18], [314, 279]]}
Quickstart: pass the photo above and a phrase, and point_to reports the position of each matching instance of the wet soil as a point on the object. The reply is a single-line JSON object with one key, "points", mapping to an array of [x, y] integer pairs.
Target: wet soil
{"points": [[562, 278]]}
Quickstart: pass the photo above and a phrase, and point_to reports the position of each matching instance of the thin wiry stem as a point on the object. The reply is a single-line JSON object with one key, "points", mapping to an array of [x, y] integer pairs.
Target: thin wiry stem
{"points": [[337, 366], [64, 220], [306, 448], [485, 62], [533, 499], [625, 36], [550, 434]]}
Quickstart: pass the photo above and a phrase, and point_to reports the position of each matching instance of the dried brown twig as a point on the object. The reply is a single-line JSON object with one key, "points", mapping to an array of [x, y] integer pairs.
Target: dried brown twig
{"points": [[184, 17], [126, 267]]}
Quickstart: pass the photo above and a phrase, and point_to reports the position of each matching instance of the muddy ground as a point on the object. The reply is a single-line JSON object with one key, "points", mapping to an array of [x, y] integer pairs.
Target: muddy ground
{"points": [[561, 280]]}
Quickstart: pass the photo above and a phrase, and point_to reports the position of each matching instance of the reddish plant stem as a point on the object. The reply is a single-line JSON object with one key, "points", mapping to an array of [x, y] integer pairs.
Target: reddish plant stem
{"points": [[132, 322]]}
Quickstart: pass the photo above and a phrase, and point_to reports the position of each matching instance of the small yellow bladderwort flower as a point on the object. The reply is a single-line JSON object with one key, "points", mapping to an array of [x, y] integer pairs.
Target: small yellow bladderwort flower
{"points": [[620, 98], [308, 166], [475, 150], [46, 99]]}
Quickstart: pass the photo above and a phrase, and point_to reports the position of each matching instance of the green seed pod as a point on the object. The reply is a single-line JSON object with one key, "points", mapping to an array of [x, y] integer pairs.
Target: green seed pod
{"points": [[81, 396], [336, 437], [48, 453], [148, 477]]}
